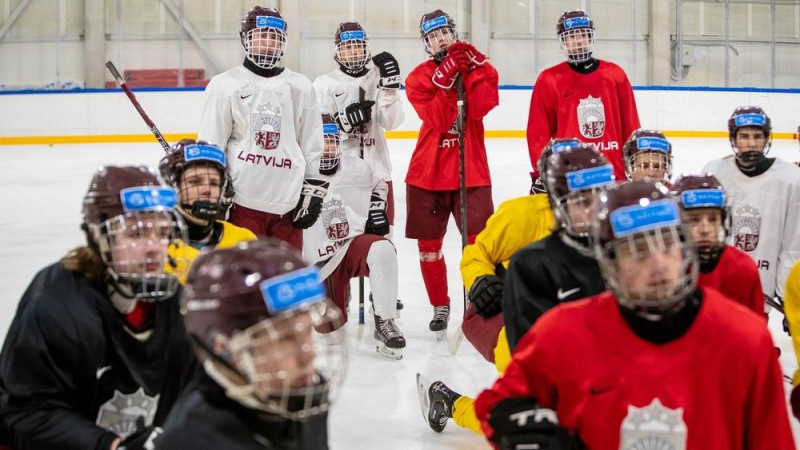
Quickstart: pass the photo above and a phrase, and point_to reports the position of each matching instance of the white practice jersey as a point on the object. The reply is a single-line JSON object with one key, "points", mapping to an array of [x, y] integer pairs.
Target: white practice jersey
{"points": [[336, 90], [345, 209], [271, 129], [765, 212]]}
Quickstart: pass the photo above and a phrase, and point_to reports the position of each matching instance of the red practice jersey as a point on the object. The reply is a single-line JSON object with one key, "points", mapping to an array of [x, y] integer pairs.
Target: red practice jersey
{"points": [[598, 108], [434, 164], [718, 386], [736, 277]]}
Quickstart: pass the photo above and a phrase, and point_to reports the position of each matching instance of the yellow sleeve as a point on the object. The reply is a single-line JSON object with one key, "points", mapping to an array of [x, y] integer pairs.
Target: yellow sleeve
{"points": [[232, 235], [502, 352], [791, 305], [516, 223], [182, 255]]}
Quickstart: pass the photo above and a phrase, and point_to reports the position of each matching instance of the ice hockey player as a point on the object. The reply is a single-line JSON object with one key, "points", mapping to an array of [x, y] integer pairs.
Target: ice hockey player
{"points": [[349, 239], [97, 353], [432, 182], [764, 198], [363, 120], [707, 218], [532, 272], [648, 154], [266, 118], [620, 370], [585, 97], [266, 377], [792, 311], [197, 170]]}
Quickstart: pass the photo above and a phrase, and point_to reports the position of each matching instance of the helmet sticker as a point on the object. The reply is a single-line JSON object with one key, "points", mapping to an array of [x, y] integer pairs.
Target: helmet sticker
{"points": [[292, 290], [435, 23], [330, 128], [646, 216], [591, 177], [652, 143], [270, 22], [558, 146], [196, 152], [703, 198], [752, 119], [355, 35], [576, 22], [148, 198]]}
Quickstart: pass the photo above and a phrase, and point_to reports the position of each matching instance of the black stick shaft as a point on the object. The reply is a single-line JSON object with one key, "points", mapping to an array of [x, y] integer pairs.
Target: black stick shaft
{"points": [[132, 98], [462, 170]]}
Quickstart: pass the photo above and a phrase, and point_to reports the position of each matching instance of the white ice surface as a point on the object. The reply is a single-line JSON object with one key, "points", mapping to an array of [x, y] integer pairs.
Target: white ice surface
{"points": [[377, 406]]}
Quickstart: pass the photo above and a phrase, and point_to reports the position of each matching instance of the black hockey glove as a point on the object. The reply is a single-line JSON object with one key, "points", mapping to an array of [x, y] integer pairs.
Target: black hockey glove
{"points": [[142, 438], [359, 113], [378, 220], [310, 205], [537, 184], [390, 70], [520, 423], [486, 295]]}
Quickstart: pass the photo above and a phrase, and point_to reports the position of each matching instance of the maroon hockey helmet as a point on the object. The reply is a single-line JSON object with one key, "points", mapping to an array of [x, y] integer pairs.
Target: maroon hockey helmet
{"points": [[191, 153], [263, 36], [575, 30], [554, 146], [331, 149], [252, 308], [635, 220], [573, 20], [127, 210], [352, 52], [654, 143], [433, 27], [750, 116], [704, 192]]}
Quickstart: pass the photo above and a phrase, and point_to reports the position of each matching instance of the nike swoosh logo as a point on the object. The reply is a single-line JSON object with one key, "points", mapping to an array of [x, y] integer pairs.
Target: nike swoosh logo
{"points": [[562, 295], [567, 94], [102, 370], [244, 96], [339, 94], [599, 390]]}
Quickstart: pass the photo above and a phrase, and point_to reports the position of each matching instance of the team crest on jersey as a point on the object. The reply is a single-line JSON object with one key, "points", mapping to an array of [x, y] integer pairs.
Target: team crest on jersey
{"points": [[591, 117], [653, 427], [121, 413], [746, 228], [267, 126], [334, 217]]}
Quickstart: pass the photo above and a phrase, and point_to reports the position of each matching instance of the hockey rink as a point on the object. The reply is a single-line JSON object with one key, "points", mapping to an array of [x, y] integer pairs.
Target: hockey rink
{"points": [[377, 405]]}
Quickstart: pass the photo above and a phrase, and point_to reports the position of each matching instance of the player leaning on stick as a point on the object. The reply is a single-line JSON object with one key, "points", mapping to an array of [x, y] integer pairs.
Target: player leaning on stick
{"points": [[363, 118], [432, 182], [655, 362]]}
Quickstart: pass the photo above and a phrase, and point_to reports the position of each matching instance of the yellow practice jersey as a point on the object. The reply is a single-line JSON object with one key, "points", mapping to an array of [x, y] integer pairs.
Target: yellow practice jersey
{"points": [[791, 305], [184, 254], [516, 223]]}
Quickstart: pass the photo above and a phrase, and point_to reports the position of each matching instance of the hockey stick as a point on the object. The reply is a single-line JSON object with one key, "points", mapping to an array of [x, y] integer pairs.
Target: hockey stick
{"points": [[454, 342], [361, 300], [132, 98]]}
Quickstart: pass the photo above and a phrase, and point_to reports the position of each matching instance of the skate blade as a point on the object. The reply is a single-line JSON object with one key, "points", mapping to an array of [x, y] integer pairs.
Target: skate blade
{"points": [[391, 353], [423, 385], [440, 334]]}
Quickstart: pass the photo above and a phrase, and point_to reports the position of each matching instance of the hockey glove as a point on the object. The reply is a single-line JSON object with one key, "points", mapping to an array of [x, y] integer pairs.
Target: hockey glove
{"points": [[476, 58], [486, 295], [389, 69], [794, 401], [455, 62], [520, 423], [537, 185], [310, 205], [378, 221], [359, 113], [142, 438]]}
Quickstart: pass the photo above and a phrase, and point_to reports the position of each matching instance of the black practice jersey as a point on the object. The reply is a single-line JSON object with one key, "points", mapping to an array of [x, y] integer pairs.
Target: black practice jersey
{"points": [[205, 418], [542, 275], [74, 376]]}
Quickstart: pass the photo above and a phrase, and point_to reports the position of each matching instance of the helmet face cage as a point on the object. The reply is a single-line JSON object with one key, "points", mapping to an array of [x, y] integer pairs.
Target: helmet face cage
{"points": [[290, 369], [652, 164], [575, 211], [134, 247], [577, 44], [750, 117], [438, 32], [352, 51], [331, 147], [650, 289], [265, 44], [200, 189]]}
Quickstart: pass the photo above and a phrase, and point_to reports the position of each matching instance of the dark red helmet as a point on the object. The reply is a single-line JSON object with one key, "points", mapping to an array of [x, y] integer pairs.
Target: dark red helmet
{"points": [[750, 116], [263, 36], [705, 191], [103, 201], [331, 150], [637, 219], [554, 146], [189, 153], [566, 170], [573, 20], [650, 141], [239, 303], [433, 21], [575, 31], [251, 20], [351, 42]]}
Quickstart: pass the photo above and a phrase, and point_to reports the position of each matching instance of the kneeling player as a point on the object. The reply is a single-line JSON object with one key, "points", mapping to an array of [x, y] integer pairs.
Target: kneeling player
{"points": [[348, 241], [267, 375], [653, 362], [722, 267]]}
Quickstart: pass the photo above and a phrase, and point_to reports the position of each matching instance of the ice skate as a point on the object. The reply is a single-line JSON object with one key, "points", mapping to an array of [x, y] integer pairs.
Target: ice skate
{"points": [[372, 306], [390, 340], [435, 402], [441, 315]]}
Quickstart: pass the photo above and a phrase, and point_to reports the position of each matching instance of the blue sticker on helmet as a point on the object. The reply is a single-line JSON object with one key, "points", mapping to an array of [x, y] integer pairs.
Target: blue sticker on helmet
{"points": [[653, 143], [703, 198], [558, 146], [577, 22], [292, 290], [330, 128], [148, 198], [433, 24], [589, 178], [637, 219], [356, 35], [270, 22], [752, 119], [195, 152]]}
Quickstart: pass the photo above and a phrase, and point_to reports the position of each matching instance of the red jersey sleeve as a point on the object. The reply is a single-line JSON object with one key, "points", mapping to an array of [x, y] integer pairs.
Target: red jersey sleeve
{"points": [[481, 88], [436, 107], [541, 119]]}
